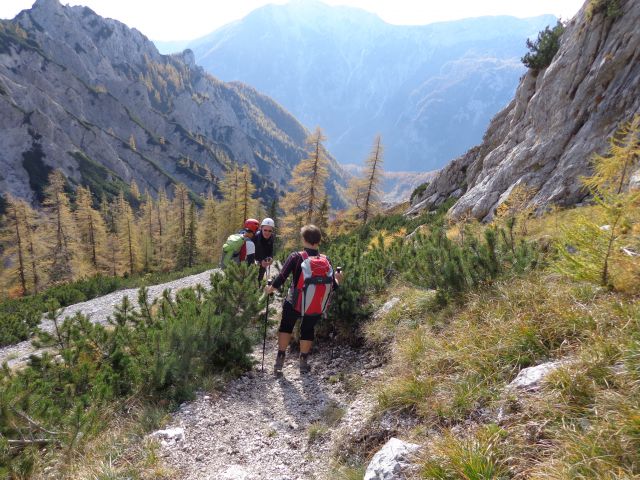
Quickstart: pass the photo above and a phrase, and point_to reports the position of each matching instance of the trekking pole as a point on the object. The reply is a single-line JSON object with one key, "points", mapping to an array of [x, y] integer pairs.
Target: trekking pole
{"points": [[266, 317], [333, 326]]}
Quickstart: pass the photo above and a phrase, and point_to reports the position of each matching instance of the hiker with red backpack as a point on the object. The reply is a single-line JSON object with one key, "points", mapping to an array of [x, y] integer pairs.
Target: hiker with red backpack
{"points": [[239, 247], [313, 281]]}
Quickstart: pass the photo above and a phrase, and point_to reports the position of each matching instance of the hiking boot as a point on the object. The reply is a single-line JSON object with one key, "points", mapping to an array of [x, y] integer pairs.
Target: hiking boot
{"points": [[304, 363], [277, 367]]}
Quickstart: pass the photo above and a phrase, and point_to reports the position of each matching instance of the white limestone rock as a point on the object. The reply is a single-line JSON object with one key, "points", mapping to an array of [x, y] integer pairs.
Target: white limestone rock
{"points": [[391, 460], [559, 117], [171, 435], [531, 378], [387, 307]]}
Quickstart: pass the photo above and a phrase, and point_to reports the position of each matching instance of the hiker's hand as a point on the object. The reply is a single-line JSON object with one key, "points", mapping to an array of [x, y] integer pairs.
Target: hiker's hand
{"points": [[338, 277], [269, 290]]}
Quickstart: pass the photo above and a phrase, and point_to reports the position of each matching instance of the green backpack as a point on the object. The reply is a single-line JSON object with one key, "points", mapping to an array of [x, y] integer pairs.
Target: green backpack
{"points": [[231, 248]]}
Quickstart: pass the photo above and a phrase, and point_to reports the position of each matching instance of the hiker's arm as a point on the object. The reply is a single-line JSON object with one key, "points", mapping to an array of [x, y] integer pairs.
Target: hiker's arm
{"points": [[337, 279], [286, 270], [268, 251], [337, 276]]}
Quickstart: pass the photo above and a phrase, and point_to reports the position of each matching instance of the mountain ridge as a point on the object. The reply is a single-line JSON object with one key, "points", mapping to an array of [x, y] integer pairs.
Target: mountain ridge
{"points": [[449, 78], [94, 98]]}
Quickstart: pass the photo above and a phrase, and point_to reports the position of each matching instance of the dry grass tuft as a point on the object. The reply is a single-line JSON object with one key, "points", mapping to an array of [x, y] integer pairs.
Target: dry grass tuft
{"points": [[120, 451], [451, 368]]}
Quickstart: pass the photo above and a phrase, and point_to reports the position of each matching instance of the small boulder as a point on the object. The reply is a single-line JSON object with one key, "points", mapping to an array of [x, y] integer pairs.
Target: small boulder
{"points": [[634, 183], [531, 378], [391, 460], [170, 434], [387, 307]]}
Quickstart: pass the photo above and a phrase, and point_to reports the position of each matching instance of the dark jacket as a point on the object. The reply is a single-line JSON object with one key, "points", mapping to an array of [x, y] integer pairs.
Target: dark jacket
{"points": [[264, 247]]}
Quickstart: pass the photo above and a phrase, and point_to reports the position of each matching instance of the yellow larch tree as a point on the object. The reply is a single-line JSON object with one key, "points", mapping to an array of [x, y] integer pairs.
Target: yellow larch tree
{"points": [[164, 255], [208, 237], [231, 213], [92, 232], [147, 225], [127, 234], [178, 220], [247, 204], [365, 193], [304, 201], [22, 248], [595, 247], [135, 191], [64, 256]]}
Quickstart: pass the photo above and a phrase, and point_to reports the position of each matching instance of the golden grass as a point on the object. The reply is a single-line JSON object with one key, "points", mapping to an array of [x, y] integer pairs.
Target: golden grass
{"points": [[450, 369], [121, 450]]}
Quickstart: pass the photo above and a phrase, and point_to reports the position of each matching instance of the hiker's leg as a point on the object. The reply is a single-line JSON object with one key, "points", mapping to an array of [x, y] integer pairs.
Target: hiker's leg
{"points": [[283, 341], [287, 322], [307, 334], [305, 346]]}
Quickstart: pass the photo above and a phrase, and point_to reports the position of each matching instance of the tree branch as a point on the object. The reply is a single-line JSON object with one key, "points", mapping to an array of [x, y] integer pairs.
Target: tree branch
{"points": [[31, 422]]}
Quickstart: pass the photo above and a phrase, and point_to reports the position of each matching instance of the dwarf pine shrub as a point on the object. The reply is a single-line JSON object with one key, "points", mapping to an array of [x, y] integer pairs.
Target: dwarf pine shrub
{"points": [[160, 350], [20, 316], [544, 48], [429, 260]]}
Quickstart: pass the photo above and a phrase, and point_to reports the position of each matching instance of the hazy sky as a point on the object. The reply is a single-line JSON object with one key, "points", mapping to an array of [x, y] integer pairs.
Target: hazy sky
{"points": [[189, 19]]}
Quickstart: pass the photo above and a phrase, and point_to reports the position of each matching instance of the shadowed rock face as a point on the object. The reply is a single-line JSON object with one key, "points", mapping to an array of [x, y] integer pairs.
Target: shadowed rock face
{"points": [[94, 98], [559, 117]]}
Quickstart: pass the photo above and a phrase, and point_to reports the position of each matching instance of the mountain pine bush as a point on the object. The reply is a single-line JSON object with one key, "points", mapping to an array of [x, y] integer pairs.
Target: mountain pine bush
{"points": [[159, 351], [428, 260], [544, 48]]}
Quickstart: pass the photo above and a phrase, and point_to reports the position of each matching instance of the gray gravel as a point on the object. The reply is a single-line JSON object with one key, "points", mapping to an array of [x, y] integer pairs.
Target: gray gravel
{"points": [[99, 310], [259, 426]]}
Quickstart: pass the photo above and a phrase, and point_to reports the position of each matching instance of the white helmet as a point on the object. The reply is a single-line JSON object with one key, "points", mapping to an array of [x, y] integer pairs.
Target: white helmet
{"points": [[268, 222]]}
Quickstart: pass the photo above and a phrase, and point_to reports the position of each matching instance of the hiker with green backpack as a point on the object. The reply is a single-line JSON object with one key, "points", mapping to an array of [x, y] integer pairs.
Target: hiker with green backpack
{"points": [[313, 281], [239, 247]]}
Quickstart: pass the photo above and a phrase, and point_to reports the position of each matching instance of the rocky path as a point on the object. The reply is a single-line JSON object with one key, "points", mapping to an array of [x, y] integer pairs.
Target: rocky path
{"points": [[262, 427], [98, 310]]}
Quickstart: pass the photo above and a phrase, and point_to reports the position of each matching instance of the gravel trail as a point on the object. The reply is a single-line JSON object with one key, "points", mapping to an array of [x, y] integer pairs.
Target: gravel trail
{"points": [[98, 310], [265, 428]]}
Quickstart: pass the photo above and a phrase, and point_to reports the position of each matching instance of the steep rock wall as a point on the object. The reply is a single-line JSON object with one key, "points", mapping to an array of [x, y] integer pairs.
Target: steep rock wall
{"points": [[559, 117]]}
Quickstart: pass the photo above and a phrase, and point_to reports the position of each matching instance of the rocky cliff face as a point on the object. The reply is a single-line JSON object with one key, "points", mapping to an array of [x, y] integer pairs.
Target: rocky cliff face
{"points": [[94, 98], [559, 117], [429, 90]]}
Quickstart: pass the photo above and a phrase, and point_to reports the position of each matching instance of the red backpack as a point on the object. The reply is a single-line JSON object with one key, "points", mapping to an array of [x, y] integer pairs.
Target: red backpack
{"points": [[310, 295]]}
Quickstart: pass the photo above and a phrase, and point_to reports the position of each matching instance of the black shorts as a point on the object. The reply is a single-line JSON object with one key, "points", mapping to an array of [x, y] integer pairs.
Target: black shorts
{"points": [[289, 318]]}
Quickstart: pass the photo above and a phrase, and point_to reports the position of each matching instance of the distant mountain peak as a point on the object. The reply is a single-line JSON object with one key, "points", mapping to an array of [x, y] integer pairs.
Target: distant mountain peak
{"points": [[429, 90], [94, 98], [47, 5]]}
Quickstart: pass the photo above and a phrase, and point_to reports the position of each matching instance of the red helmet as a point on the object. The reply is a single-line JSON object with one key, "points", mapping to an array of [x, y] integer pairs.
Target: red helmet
{"points": [[252, 225]]}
